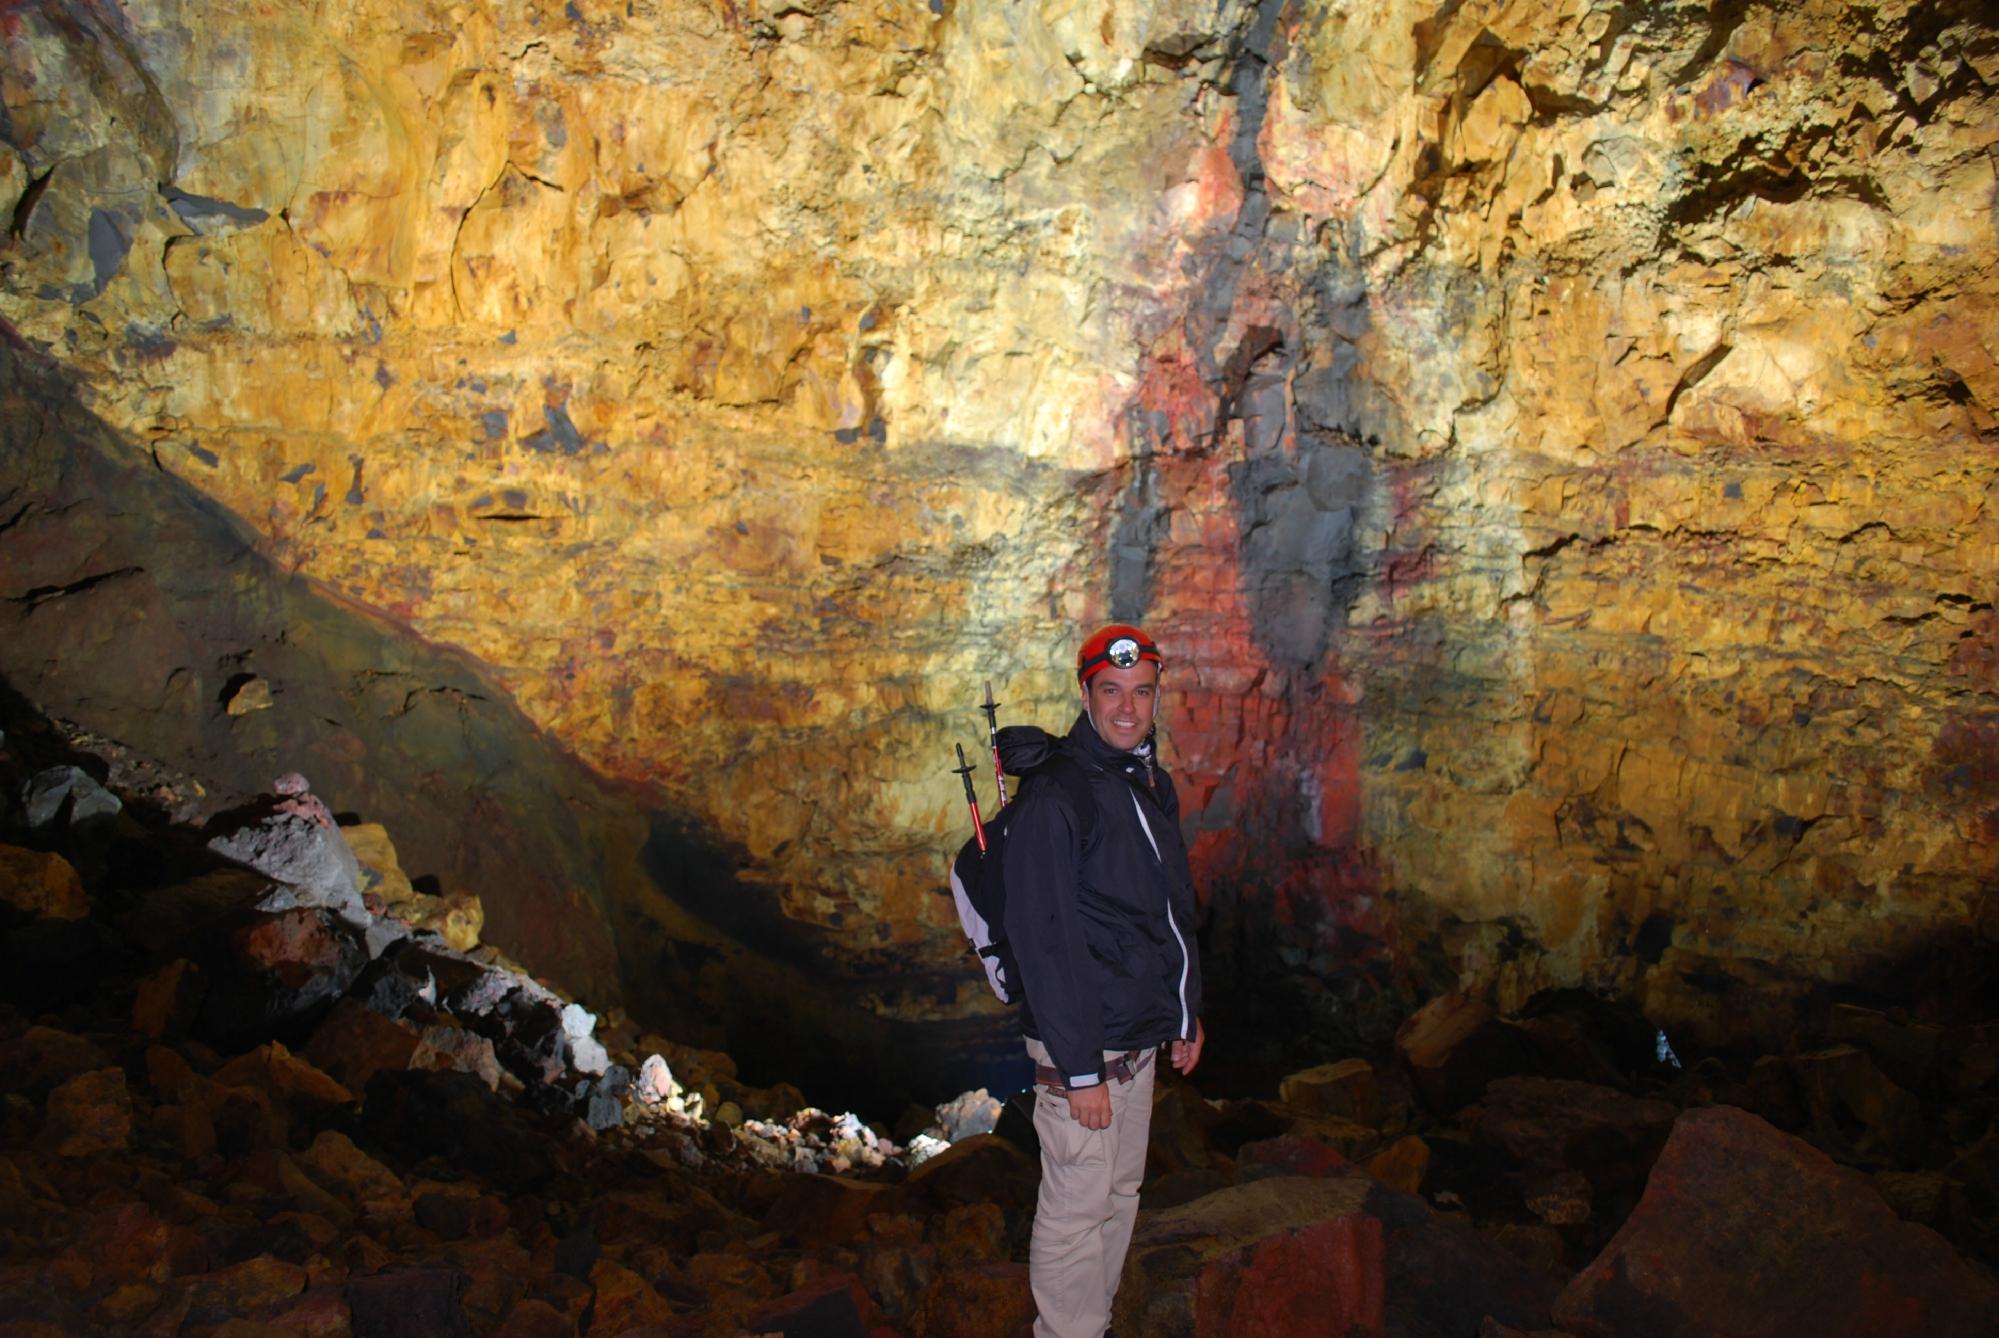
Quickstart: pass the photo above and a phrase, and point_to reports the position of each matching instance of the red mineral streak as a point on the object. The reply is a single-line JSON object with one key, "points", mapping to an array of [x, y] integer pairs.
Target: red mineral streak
{"points": [[1268, 760]]}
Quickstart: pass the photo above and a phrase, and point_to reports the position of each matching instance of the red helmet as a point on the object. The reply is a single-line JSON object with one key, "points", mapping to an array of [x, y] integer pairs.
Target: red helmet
{"points": [[1120, 644]]}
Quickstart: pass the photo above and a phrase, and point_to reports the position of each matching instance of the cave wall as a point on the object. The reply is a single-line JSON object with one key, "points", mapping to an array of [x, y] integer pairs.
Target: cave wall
{"points": [[1551, 440]]}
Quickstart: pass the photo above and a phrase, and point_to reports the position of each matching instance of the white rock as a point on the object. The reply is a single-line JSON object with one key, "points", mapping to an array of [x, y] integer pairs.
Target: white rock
{"points": [[655, 1083]]}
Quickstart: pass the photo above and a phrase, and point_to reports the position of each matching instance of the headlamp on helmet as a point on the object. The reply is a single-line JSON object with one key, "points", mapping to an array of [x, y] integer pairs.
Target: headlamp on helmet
{"points": [[1119, 644]]}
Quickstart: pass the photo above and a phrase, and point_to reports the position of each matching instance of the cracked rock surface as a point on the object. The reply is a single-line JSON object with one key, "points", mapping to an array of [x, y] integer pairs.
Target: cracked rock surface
{"points": [[1548, 438]]}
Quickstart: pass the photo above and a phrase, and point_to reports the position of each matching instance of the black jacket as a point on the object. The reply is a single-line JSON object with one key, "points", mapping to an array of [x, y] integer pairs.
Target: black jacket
{"points": [[1104, 935]]}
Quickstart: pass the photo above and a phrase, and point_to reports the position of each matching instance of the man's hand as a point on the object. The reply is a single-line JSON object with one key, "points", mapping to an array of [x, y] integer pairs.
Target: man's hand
{"points": [[1091, 1106], [1186, 1054]]}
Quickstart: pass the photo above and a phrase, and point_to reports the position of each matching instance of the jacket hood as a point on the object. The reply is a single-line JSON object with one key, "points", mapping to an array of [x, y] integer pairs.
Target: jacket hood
{"points": [[1024, 748]]}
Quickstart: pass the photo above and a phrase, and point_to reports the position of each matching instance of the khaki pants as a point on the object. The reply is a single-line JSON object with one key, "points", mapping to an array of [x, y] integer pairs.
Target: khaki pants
{"points": [[1088, 1201]]}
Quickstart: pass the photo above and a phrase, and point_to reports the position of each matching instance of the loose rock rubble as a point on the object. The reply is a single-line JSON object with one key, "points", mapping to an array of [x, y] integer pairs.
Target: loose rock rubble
{"points": [[233, 1109]]}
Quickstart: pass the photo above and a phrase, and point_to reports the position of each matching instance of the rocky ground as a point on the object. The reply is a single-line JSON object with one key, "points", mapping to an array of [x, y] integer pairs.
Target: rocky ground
{"points": [[257, 1081]]}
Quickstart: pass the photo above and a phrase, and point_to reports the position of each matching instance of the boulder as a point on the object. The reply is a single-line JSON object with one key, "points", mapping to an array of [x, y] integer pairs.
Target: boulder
{"points": [[293, 840], [1856, 1110], [1345, 1088], [281, 1073], [446, 1045], [1552, 1124], [968, 1113], [1453, 1046], [355, 1043], [279, 972], [1575, 1034], [1281, 1255], [67, 797], [40, 885], [1291, 1154], [983, 1169], [1748, 1231], [823, 1209]]}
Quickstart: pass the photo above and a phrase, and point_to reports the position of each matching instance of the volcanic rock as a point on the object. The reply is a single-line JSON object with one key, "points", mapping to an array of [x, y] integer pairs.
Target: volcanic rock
{"points": [[1746, 1230], [1548, 1125], [90, 1114], [1345, 1088], [409, 1303], [294, 840], [456, 1116], [67, 797], [1275, 1256], [40, 885], [1453, 1046]]}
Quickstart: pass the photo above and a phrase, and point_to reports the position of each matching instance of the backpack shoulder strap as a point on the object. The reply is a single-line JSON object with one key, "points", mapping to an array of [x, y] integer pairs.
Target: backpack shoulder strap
{"points": [[1074, 783]]}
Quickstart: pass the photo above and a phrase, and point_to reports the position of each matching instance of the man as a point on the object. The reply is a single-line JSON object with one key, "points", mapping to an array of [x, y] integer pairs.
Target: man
{"points": [[1100, 916]]}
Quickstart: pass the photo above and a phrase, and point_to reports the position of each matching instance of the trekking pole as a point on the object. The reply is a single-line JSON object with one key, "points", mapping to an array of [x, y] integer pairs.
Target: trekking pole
{"points": [[964, 772], [991, 708]]}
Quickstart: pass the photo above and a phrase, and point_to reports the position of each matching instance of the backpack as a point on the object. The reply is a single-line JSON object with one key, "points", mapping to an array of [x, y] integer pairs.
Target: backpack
{"points": [[977, 884]]}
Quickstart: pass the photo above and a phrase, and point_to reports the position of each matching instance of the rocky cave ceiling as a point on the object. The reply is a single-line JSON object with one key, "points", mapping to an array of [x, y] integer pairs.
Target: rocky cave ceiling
{"points": [[1553, 441]]}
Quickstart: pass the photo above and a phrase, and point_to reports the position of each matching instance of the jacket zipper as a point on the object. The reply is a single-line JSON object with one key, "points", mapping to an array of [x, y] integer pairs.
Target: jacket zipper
{"points": [[1146, 827]]}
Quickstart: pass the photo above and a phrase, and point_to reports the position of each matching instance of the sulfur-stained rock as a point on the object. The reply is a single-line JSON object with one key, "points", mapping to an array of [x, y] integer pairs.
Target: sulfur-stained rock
{"points": [[624, 1300], [168, 1000], [283, 1074], [40, 885], [1344, 1088], [1453, 1046], [362, 1182], [1736, 1213], [1402, 1164]]}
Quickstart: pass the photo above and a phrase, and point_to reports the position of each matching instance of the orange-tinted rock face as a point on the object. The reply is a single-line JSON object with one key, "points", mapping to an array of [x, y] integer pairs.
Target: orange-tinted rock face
{"points": [[1549, 440]]}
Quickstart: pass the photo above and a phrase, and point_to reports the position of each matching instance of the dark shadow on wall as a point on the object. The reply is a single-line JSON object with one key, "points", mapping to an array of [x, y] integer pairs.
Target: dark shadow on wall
{"points": [[130, 604]]}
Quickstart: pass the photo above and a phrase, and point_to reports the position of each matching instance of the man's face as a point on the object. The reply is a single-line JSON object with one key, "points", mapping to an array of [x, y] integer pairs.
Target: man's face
{"points": [[1121, 703]]}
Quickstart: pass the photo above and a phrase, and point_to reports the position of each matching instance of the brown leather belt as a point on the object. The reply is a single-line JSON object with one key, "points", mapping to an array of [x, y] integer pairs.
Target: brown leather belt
{"points": [[1123, 1067]]}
